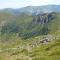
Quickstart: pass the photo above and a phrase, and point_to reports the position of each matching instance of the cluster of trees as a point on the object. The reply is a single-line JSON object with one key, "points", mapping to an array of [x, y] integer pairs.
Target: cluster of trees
{"points": [[14, 28], [10, 27]]}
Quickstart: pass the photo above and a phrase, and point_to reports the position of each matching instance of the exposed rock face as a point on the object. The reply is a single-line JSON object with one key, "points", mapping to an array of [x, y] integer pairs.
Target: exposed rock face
{"points": [[44, 18], [39, 24]]}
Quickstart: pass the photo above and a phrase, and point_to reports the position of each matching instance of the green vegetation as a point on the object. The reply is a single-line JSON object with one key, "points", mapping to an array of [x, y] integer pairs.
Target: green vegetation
{"points": [[26, 37]]}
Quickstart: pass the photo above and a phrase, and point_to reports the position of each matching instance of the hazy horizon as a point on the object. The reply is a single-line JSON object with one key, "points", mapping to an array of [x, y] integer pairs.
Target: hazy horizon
{"points": [[23, 3]]}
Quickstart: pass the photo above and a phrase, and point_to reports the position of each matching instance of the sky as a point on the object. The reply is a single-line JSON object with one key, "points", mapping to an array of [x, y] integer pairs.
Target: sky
{"points": [[23, 3]]}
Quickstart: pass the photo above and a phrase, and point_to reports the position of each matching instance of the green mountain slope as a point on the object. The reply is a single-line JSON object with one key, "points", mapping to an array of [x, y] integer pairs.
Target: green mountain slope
{"points": [[26, 37], [25, 25]]}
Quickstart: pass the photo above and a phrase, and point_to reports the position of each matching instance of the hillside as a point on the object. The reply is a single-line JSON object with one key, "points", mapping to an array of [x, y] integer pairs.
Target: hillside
{"points": [[30, 36], [27, 26]]}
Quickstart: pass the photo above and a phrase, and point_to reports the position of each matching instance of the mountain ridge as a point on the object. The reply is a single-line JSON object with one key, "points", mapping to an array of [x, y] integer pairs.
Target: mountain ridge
{"points": [[33, 10]]}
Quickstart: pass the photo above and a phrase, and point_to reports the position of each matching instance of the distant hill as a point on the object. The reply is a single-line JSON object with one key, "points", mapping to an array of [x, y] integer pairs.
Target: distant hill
{"points": [[34, 10]]}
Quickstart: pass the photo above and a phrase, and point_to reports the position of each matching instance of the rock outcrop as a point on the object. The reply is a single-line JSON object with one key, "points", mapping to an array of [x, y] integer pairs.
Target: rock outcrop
{"points": [[43, 18]]}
